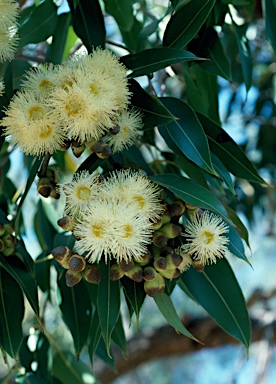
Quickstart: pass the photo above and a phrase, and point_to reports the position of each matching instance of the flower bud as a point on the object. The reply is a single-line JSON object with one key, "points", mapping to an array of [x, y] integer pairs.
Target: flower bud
{"points": [[44, 187], [149, 273], [159, 239], [115, 129], [145, 259], [136, 273], [2, 229], [95, 146], [66, 223], [9, 240], [72, 278], [106, 152], [198, 266], [77, 263], [170, 273], [92, 274], [115, 272], [62, 255], [77, 148], [126, 265], [178, 208], [156, 225], [8, 251], [166, 218], [160, 263], [174, 260], [171, 230], [152, 287]]}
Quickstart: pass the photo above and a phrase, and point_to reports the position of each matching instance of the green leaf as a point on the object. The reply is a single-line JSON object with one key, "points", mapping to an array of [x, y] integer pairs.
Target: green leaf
{"points": [[69, 370], [154, 59], [154, 112], [44, 230], [118, 335], [229, 153], [55, 52], [135, 296], [41, 24], [26, 281], [245, 53], [188, 134], [108, 304], [91, 163], [122, 12], [35, 166], [186, 22], [167, 309], [42, 273], [270, 17], [76, 310], [70, 42], [133, 157], [95, 333], [218, 292], [191, 193], [11, 313], [88, 23], [235, 244], [131, 37], [223, 173], [239, 226]]}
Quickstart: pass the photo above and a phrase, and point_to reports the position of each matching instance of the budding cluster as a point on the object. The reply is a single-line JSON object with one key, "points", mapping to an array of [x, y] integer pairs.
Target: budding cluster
{"points": [[7, 239], [76, 266], [48, 183]]}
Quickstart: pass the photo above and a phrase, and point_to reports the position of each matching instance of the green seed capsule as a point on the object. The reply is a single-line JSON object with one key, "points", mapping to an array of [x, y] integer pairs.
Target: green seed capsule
{"points": [[174, 260], [178, 208], [159, 239], [171, 230], [126, 265], [136, 273], [149, 273], [115, 272], [170, 273], [160, 264]]}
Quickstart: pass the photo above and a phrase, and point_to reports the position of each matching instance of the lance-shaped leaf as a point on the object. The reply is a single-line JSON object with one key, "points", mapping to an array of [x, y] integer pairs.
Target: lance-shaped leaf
{"points": [[44, 230], [76, 310], [245, 54], [11, 313], [229, 153], [135, 297], [56, 49], [223, 173], [270, 17], [240, 227], [188, 134], [218, 292], [95, 334], [108, 304], [118, 335], [167, 309], [26, 281], [191, 193], [186, 22], [154, 59], [88, 22], [132, 157], [122, 12], [41, 24]]}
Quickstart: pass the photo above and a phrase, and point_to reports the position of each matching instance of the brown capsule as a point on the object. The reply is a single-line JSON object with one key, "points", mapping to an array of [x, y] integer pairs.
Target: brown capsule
{"points": [[94, 146], [62, 255], [66, 223], [115, 129], [171, 230], [149, 273], [44, 187], [77, 148], [174, 260], [198, 266], [54, 192], [106, 152], [72, 278], [136, 273], [65, 145], [92, 274], [77, 263], [160, 263], [159, 239], [126, 265], [178, 208], [115, 272]]}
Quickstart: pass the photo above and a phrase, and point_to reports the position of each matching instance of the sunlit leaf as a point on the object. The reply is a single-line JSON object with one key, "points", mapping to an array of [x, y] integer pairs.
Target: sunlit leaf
{"points": [[154, 59], [186, 22]]}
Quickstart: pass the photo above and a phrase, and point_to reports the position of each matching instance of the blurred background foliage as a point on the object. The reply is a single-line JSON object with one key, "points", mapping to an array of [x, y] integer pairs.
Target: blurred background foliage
{"points": [[164, 44]]}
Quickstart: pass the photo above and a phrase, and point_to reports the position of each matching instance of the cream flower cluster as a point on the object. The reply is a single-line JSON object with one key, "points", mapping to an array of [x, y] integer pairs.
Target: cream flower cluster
{"points": [[9, 10], [83, 99], [113, 215], [205, 238]]}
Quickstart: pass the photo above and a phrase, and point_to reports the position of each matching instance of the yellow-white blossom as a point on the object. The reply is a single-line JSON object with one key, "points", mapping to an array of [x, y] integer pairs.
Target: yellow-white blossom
{"points": [[2, 87], [40, 81], [9, 11], [80, 191], [205, 238], [129, 124]]}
